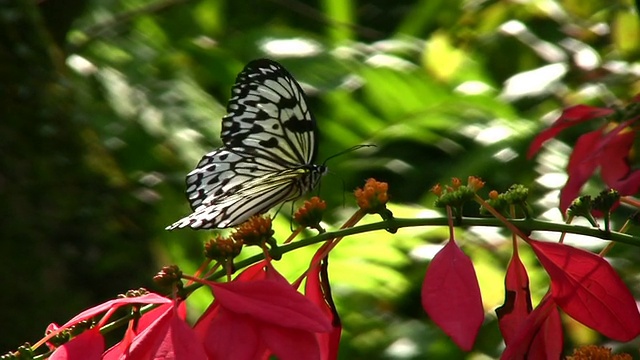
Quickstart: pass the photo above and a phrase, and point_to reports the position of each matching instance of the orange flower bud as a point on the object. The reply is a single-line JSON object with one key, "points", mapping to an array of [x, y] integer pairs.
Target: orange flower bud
{"points": [[475, 183], [255, 231], [596, 352], [310, 214], [373, 197], [437, 189], [222, 248], [456, 183]]}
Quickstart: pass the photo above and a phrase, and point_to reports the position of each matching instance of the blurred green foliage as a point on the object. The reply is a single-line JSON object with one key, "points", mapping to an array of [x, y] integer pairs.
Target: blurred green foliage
{"points": [[106, 105]]}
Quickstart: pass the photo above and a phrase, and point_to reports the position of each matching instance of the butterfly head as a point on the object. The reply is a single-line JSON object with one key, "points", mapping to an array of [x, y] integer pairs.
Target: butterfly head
{"points": [[316, 172]]}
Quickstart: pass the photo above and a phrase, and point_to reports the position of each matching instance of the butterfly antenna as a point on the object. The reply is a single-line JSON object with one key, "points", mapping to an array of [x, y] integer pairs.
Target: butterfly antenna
{"points": [[344, 184], [353, 148]]}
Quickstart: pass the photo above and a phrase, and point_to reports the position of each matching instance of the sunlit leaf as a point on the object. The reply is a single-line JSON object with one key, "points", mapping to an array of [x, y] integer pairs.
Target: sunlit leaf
{"points": [[570, 117], [329, 342], [517, 304], [529, 332], [272, 302], [451, 295], [587, 288], [548, 340]]}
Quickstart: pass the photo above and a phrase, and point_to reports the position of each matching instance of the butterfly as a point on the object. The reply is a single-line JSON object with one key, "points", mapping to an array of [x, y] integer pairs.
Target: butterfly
{"points": [[269, 147]]}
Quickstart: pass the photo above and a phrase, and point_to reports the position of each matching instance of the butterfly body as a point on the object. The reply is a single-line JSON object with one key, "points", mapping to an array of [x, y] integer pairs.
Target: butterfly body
{"points": [[269, 146]]}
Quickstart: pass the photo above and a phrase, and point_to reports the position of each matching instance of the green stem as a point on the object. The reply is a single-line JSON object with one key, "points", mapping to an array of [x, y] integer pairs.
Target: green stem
{"points": [[525, 225]]}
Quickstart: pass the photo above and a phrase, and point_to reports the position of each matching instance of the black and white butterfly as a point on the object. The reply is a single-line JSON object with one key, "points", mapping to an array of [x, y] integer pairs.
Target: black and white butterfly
{"points": [[269, 147]]}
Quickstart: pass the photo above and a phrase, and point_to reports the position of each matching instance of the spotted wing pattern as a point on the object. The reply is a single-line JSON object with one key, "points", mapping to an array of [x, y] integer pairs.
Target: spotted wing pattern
{"points": [[269, 146]]}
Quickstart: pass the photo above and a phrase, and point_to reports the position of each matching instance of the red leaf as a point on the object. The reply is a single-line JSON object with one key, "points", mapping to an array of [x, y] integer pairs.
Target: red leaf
{"points": [[517, 302], [146, 343], [87, 346], [150, 298], [253, 272], [608, 150], [535, 336], [580, 168], [290, 344], [587, 288], [582, 163], [168, 337], [204, 321], [570, 117], [329, 342], [614, 139], [260, 311], [233, 336], [548, 341], [180, 343], [451, 295], [521, 342], [273, 302], [615, 169], [118, 350], [148, 318]]}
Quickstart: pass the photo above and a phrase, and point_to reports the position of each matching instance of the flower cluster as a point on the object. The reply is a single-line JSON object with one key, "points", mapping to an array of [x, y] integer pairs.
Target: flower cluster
{"points": [[223, 249], [167, 277], [310, 214], [373, 197], [516, 195], [592, 352], [255, 231], [456, 194]]}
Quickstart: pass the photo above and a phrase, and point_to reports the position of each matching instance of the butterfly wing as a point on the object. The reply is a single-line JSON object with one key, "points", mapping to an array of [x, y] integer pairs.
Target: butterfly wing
{"points": [[269, 142], [268, 114], [236, 193]]}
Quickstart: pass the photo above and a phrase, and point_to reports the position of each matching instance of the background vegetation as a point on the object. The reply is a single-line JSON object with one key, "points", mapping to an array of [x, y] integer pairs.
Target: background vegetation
{"points": [[106, 105]]}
